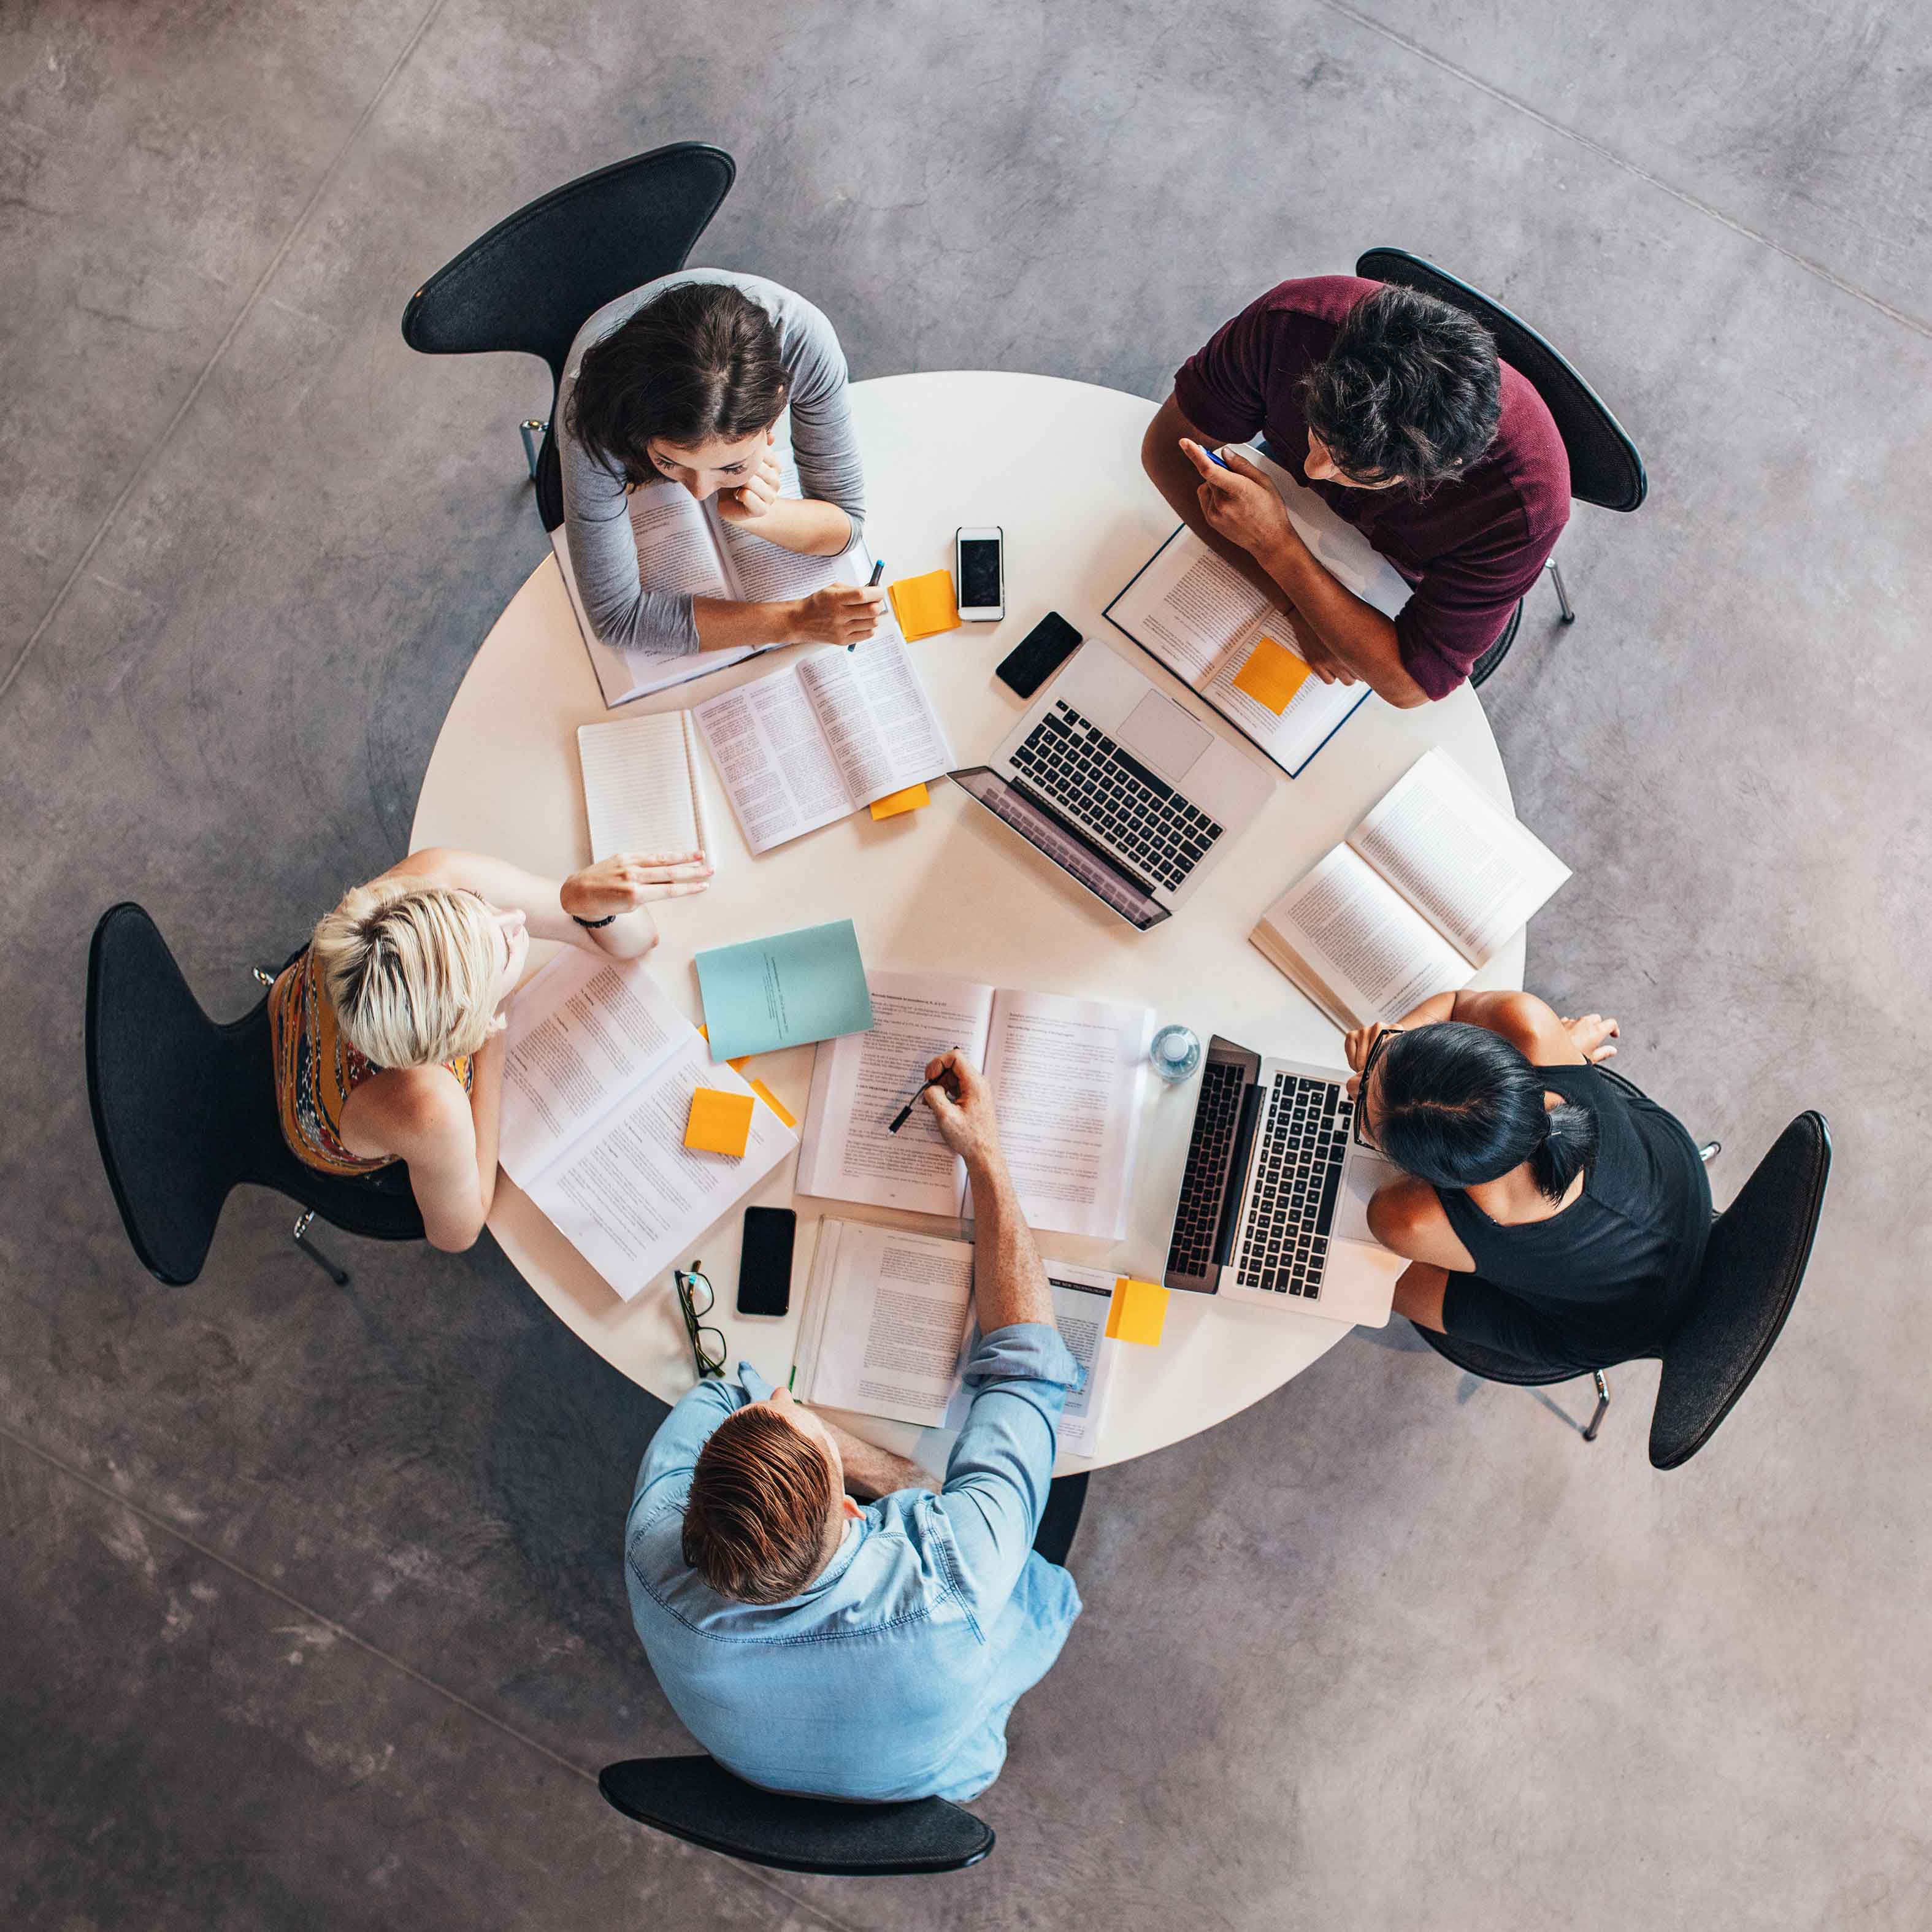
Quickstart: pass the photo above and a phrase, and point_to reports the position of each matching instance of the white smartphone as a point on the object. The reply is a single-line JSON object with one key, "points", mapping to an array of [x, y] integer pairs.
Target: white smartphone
{"points": [[979, 573]]}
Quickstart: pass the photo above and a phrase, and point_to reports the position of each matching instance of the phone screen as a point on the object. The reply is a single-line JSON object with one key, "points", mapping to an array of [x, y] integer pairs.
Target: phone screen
{"points": [[764, 1262], [978, 574]]}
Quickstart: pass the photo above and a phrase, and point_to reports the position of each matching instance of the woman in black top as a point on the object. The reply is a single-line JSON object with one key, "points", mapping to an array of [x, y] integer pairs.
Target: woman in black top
{"points": [[1551, 1214]]}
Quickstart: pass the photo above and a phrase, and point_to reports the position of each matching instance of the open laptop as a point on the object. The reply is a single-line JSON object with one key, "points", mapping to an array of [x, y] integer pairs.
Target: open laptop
{"points": [[1274, 1199], [1121, 787]]}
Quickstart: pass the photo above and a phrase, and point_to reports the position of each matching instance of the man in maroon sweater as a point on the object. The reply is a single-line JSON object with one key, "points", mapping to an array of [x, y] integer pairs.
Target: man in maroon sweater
{"points": [[1394, 407]]}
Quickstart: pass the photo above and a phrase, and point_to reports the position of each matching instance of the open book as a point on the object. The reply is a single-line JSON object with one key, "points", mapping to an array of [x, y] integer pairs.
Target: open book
{"points": [[598, 1076], [683, 544], [823, 736], [641, 789], [1197, 614], [1427, 887], [886, 1329], [1068, 1076]]}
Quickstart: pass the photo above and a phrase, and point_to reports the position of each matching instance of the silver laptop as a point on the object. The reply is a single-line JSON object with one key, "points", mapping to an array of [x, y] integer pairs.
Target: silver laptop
{"points": [[1121, 787], [1274, 1199]]}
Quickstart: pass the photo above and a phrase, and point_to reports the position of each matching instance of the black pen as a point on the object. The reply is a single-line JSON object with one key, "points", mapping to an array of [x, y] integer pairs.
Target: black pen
{"points": [[878, 571], [904, 1114]]}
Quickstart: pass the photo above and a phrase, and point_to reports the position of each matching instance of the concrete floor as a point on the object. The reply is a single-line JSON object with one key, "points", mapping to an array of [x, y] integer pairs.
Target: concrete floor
{"points": [[310, 1598]]}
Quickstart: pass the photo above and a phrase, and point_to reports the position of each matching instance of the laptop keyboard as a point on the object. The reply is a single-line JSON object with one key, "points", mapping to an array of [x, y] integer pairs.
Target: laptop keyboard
{"points": [[1215, 1113], [1068, 759], [1297, 1179]]}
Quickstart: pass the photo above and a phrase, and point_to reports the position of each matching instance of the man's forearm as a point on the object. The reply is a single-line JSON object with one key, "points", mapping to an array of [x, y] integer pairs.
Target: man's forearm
{"points": [[872, 1472], [1008, 1281], [1177, 480], [1357, 633]]}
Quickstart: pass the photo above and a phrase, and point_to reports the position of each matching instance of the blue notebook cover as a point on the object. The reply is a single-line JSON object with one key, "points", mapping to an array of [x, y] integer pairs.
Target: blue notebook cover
{"points": [[787, 991]]}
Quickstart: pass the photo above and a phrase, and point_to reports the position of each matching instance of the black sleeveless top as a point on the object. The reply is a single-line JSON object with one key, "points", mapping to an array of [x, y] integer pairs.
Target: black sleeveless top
{"points": [[1611, 1272]]}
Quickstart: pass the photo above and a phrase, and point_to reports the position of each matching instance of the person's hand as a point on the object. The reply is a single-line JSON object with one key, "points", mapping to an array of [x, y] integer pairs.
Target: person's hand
{"points": [[757, 494], [1591, 1035], [841, 614], [1239, 502], [963, 1108], [626, 881]]}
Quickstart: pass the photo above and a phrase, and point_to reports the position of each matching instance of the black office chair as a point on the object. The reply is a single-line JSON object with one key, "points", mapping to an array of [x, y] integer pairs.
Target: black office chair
{"points": [[1605, 468], [1760, 1246], [184, 1112], [535, 279]]}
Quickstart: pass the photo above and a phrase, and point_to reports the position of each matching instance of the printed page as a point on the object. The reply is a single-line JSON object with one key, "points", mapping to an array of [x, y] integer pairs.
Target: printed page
{"points": [[1292, 736], [875, 715], [764, 572], [895, 1309], [860, 1081], [1371, 950], [777, 772], [677, 549], [1471, 871], [1081, 1298], [641, 790], [630, 1197], [583, 1034], [1188, 607], [1068, 1076]]}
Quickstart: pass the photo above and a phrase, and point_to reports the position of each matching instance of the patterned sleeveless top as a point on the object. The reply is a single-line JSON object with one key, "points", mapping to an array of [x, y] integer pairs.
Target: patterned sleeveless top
{"points": [[316, 1070]]}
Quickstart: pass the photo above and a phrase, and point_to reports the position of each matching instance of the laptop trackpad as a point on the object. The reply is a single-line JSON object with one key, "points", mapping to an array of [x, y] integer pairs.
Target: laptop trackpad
{"points": [[1363, 1174], [1158, 731]]}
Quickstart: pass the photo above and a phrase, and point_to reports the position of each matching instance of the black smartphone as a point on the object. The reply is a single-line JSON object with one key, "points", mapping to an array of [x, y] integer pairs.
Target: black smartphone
{"points": [[764, 1262], [1039, 655]]}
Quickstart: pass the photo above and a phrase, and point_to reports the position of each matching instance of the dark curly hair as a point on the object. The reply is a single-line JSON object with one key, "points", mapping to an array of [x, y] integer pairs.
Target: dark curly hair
{"points": [[699, 361], [1412, 391]]}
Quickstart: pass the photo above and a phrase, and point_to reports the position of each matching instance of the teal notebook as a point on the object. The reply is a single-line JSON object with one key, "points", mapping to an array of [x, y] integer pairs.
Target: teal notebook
{"points": [[787, 991]]}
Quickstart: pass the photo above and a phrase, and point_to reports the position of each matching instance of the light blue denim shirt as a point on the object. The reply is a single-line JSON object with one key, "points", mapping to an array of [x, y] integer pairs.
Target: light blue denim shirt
{"points": [[891, 1674]]}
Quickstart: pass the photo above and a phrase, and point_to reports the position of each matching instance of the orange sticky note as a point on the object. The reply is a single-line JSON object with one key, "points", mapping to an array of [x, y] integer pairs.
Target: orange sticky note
{"points": [[773, 1101], [719, 1123], [910, 799], [1272, 675], [1139, 1312], [738, 1065], [924, 604]]}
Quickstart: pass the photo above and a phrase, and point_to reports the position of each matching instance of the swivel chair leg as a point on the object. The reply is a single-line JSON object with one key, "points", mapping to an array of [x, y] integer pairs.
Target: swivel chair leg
{"points": [[1603, 1402], [1555, 570], [340, 1276], [261, 976], [1709, 1151], [531, 430]]}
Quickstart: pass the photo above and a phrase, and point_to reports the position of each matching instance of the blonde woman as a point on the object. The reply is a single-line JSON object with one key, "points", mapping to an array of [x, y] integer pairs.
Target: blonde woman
{"points": [[388, 1026]]}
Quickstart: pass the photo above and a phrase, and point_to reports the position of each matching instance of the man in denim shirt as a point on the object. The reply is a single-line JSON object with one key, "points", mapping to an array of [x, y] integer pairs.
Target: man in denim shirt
{"points": [[813, 1646]]}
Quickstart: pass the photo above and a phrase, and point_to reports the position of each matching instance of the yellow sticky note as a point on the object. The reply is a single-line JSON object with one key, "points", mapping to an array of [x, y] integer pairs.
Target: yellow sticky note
{"points": [[1272, 675], [925, 604], [1139, 1312], [910, 799], [773, 1101], [719, 1123]]}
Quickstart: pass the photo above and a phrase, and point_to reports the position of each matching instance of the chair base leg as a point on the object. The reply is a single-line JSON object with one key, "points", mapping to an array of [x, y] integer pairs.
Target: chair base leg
{"points": [[1709, 1151], [1603, 1403], [531, 431], [1550, 564], [340, 1276]]}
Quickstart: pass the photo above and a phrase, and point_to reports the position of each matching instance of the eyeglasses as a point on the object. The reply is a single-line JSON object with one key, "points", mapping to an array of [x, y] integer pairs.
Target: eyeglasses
{"points": [[1358, 1132], [697, 1298]]}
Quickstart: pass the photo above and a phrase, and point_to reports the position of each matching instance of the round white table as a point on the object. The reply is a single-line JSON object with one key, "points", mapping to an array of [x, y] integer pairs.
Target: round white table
{"points": [[1056, 464]]}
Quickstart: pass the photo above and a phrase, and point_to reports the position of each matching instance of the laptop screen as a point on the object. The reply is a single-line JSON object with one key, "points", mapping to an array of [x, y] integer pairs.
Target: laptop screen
{"points": [[1071, 853]]}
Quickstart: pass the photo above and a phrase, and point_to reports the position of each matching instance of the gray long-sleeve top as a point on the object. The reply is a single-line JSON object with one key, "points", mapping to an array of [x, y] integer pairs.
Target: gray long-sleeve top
{"points": [[627, 612]]}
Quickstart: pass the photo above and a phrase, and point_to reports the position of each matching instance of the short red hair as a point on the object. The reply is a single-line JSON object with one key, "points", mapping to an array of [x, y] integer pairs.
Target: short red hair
{"points": [[756, 1521]]}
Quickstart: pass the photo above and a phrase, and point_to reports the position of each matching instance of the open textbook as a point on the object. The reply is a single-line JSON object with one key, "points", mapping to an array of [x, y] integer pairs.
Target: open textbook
{"points": [[825, 735], [1204, 620], [1068, 1077], [641, 789], [683, 544], [598, 1072], [1430, 883], [887, 1327]]}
